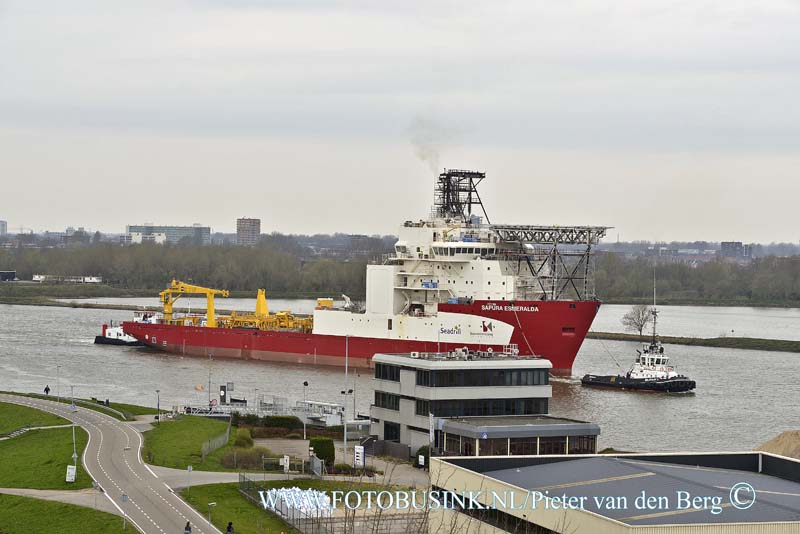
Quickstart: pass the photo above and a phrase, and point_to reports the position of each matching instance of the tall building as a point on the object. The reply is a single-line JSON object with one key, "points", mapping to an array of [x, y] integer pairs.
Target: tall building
{"points": [[731, 249], [3, 227], [248, 231], [194, 235]]}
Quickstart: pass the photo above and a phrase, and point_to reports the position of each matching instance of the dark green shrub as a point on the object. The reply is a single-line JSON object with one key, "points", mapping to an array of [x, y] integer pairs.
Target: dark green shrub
{"points": [[343, 469], [243, 438], [288, 422], [324, 450], [293, 435], [250, 419]]}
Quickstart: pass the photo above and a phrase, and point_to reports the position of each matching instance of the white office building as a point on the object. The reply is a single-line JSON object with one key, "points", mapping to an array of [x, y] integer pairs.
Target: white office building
{"points": [[482, 403]]}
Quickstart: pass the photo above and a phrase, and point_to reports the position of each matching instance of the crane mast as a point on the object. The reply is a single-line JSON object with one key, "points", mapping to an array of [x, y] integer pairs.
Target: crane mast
{"points": [[177, 289]]}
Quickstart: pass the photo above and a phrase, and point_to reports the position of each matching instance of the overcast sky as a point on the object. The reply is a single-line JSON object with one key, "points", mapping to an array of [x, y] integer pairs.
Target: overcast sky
{"points": [[665, 119]]}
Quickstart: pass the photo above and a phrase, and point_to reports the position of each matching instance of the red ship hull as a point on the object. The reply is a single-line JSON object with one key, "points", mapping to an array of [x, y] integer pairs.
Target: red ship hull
{"points": [[551, 329]]}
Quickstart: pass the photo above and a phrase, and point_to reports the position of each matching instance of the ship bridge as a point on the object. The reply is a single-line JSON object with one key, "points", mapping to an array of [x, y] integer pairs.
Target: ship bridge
{"points": [[459, 253]]}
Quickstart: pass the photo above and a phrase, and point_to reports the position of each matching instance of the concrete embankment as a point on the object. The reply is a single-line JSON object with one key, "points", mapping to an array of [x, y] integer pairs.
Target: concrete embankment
{"points": [[748, 343]]}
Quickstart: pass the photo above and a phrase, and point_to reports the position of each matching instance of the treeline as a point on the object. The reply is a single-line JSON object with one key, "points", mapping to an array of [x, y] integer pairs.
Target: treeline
{"points": [[770, 279], [280, 270], [225, 267]]}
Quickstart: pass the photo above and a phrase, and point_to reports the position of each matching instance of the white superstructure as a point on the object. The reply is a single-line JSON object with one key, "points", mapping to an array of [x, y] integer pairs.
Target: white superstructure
{"points": [[455, 257]]}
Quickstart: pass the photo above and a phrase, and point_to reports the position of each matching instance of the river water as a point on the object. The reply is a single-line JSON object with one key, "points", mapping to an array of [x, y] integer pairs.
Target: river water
{"points": [[686, 321], [743, 398]]}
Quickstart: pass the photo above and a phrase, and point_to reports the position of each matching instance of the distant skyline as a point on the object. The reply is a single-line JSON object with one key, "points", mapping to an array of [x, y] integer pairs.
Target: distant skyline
{"points": [[668, 120]]}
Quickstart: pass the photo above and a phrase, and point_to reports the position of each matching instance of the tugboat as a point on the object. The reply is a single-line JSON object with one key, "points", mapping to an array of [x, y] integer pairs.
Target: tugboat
{"points": [[650, 372], [114, 334]]}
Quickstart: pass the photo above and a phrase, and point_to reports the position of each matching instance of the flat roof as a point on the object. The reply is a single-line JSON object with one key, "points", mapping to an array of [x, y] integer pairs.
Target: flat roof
{"points": [[459, 355], [510, 426], [776, 481], [448, 360]]}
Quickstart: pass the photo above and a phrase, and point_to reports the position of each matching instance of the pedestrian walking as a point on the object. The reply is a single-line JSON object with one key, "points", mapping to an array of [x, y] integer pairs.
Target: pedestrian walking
{"points": [[229, 530], [187, 529], [47, 389]]}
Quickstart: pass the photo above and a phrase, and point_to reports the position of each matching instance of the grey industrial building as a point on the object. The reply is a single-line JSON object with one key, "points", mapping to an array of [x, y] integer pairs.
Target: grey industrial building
{"points": [[476, 403], [195, 234], [702, 493], [248, 231]]}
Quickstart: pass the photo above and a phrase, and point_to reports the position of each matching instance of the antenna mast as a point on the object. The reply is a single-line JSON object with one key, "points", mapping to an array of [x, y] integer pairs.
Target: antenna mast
{"points": [[655, 311]]}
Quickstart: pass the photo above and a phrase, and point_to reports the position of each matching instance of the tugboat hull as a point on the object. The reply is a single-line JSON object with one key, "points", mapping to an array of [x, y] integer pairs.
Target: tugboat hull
{"points": [[103, 340], [665, 385]]}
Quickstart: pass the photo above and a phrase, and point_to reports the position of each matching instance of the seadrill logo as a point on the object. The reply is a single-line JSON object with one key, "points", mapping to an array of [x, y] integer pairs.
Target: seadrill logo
{"points": [[452, 331]]}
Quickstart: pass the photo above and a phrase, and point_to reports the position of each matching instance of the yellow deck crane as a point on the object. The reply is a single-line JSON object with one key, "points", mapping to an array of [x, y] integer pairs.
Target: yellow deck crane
{"points": [[262, 319], [177, 289]]}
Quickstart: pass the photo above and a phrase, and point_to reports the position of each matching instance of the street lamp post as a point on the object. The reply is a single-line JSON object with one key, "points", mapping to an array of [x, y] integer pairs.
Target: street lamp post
{"points": [[305, 407], [210, 506], [344, 420], [158, 406], [58, 382], [72, 408]]}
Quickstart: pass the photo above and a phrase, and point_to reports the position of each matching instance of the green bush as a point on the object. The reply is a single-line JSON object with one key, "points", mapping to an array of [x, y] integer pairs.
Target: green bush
{"points": [[343, 469], [293, 435], [250, 458], [323, 449], [288, 422], [243, 438], [250, 419], [347, 469]]}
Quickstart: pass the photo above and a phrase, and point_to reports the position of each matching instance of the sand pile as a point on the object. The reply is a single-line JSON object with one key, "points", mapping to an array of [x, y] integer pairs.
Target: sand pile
{"points": [[785, 444]]}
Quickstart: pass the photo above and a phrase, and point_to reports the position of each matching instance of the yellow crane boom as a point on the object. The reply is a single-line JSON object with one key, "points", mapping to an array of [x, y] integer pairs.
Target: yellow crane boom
{"points": [[177, 289]]}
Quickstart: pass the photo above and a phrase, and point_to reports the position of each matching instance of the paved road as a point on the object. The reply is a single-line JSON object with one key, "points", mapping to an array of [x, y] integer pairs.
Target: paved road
{"points": [[113, 459]]}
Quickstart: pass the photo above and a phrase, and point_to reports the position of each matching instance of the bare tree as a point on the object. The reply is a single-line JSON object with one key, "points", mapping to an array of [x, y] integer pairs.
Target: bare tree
{"points": [[639, 316]]}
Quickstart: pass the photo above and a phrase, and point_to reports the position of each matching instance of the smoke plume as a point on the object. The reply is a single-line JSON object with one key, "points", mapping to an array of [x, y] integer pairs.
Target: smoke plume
{"points": [[428, 138]]}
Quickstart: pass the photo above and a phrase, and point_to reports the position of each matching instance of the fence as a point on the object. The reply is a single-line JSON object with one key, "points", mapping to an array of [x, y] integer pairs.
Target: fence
{"points": [[216, 442], [371, 521]]}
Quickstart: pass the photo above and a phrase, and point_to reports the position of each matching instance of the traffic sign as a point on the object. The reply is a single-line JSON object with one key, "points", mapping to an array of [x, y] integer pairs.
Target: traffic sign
{"points": [[358, 456], [71, 471]]}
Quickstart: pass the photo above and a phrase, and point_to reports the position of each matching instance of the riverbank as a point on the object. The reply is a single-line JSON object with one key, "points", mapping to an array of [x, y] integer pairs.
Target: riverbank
{"points": [[748, 343], [32, 293]]}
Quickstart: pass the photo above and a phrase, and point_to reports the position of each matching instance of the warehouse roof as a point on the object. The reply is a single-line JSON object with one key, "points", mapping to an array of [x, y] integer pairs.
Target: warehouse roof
{"points": [[700, 492]]}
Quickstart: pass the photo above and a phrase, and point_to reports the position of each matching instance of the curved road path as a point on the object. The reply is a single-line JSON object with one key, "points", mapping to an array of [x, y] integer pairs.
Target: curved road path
{"points": [[113, 459]]}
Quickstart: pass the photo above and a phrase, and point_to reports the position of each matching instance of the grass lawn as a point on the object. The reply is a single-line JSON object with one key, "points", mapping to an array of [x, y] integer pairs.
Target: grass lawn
{"points": [[232, 506], [38, 459], [179, 443], [248, 517], [26, 515], [14, 416], [133, 409], [129, 410]]}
